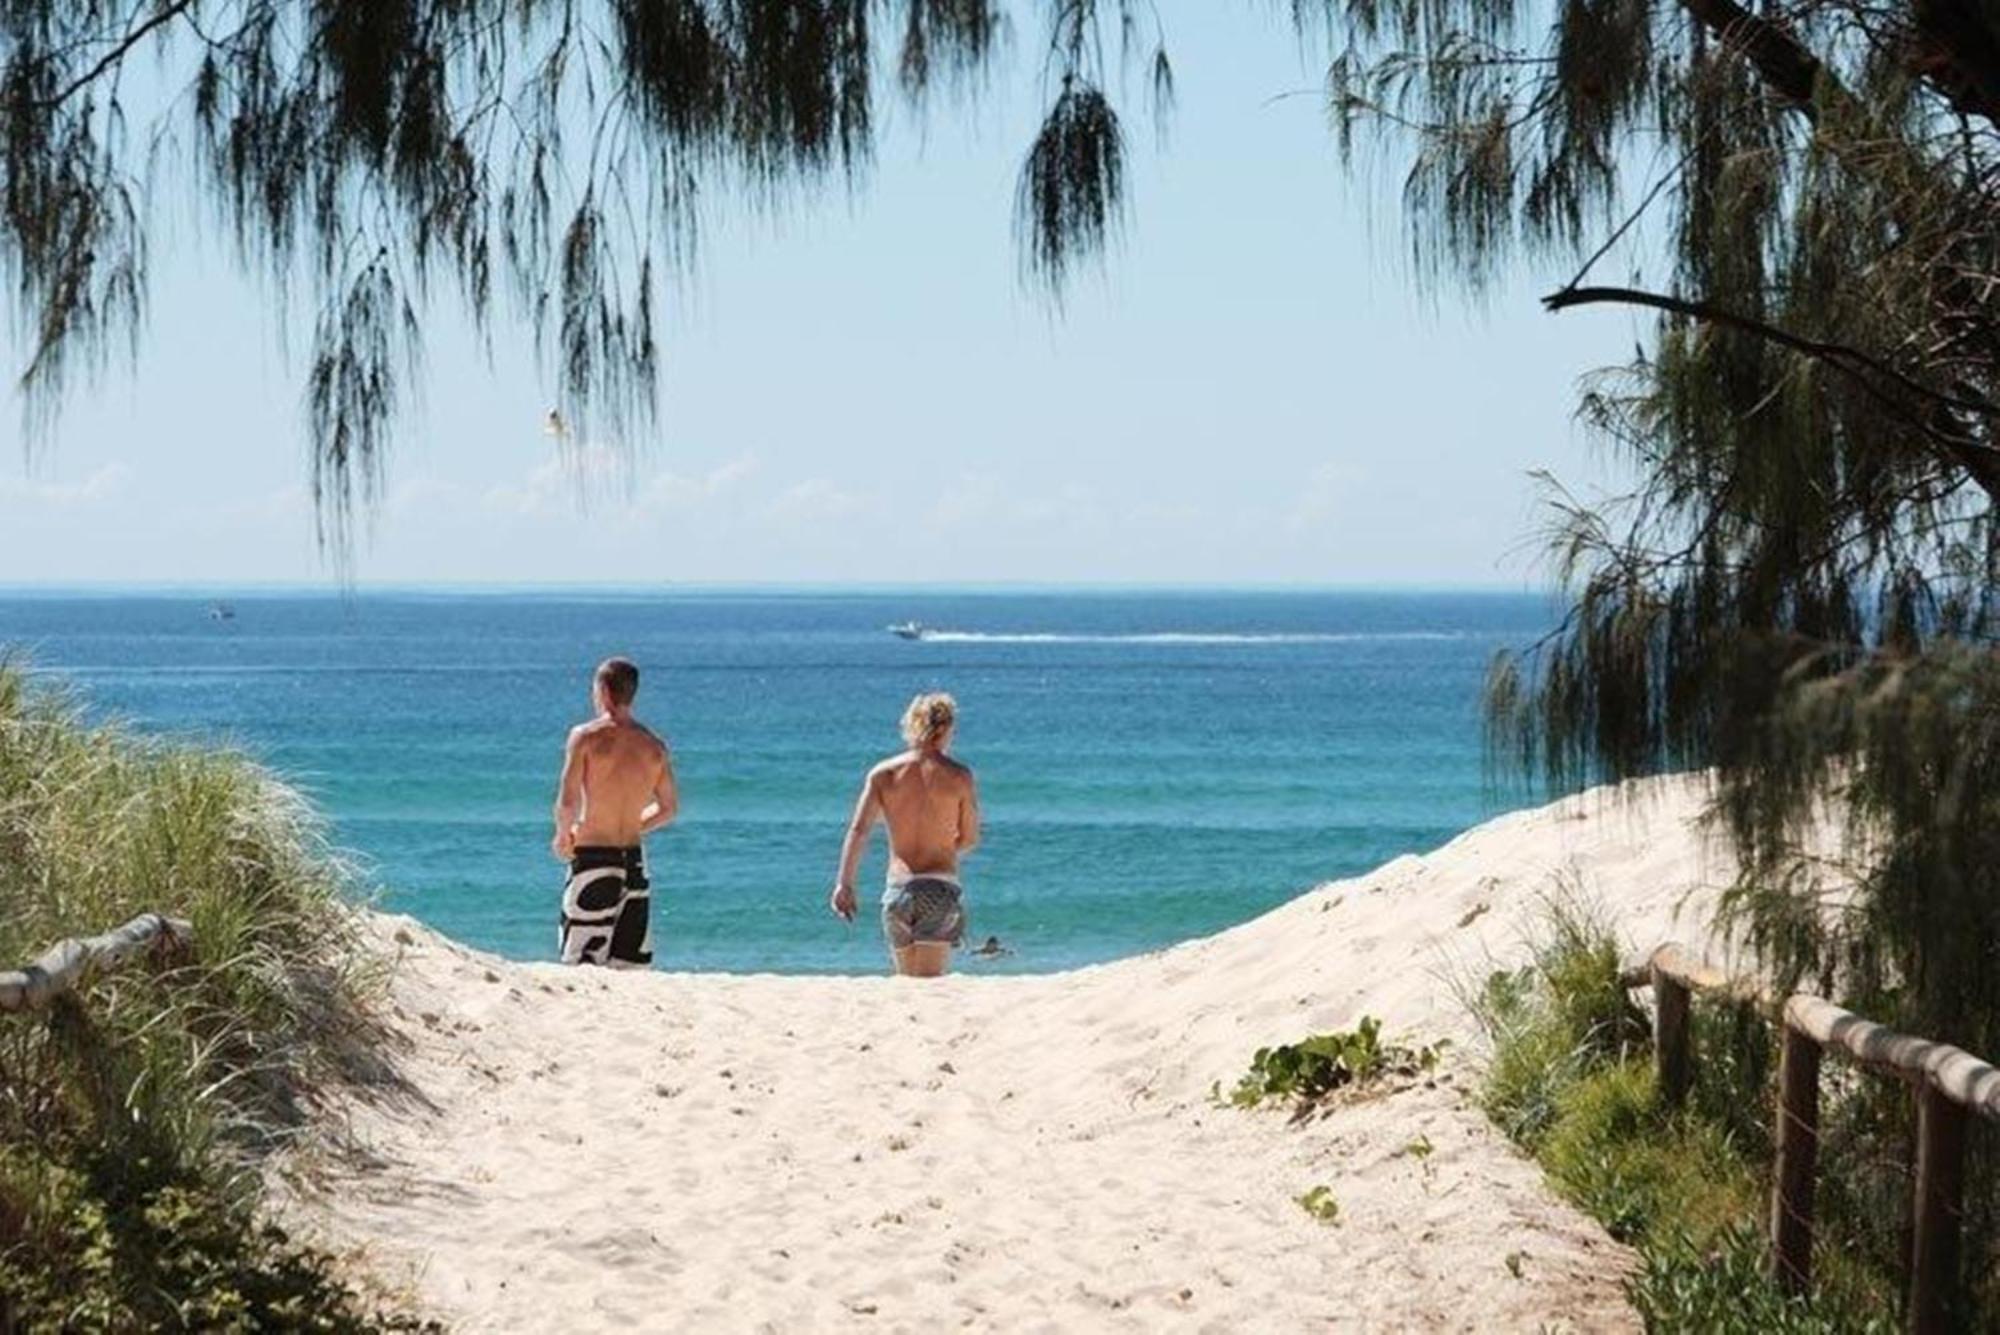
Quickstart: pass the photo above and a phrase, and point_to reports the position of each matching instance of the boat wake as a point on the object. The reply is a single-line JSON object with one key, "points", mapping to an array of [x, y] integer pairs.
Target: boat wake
{"points": [[1185, 637]]}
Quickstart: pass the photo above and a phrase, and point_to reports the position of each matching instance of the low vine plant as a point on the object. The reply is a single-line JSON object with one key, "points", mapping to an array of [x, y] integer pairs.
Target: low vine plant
{"points": [[1309, 1073], [1320, 1204]]}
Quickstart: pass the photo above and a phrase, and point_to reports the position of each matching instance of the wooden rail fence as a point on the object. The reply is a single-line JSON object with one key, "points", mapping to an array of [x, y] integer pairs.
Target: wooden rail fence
{"points": [[1949, 1085], [67, 965]]}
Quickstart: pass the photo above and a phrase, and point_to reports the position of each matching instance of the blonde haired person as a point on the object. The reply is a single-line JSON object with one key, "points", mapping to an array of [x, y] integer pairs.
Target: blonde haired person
{"points": [[932, 809]]}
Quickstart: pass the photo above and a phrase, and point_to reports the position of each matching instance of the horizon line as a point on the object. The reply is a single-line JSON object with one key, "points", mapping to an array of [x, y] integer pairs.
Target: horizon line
{"points": [[336, 588]]}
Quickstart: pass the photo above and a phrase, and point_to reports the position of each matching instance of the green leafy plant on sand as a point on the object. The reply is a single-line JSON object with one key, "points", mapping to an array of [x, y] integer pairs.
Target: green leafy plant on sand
{"points": [[1320, 1204], [1569, 1077], [1309, 1072], [133, 1116]]}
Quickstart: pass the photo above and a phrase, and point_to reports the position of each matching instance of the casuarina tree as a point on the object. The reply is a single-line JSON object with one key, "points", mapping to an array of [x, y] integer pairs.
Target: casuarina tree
{"points": [[536, 160], [1797, 594]]}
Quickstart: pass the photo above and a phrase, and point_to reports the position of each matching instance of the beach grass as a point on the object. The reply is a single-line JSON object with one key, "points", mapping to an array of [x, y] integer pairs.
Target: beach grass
{"points": [[134, 1117], [1569, 1076]]}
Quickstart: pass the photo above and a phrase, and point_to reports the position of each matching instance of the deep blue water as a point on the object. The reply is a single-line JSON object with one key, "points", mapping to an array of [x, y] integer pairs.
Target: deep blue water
{"points": [[1153, 766]]}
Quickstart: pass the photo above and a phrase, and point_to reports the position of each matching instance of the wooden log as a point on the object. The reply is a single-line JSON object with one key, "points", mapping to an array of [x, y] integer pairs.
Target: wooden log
{"points": [[1670, 1037], [1798, 1156], [1953, 1072], [1690, 970], [67, 965], [1937, 1208], [1673, 960]]}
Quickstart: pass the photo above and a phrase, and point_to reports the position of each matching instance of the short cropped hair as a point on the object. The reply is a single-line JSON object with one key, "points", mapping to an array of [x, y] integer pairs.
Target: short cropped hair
{"points": [[929, 717], [620, 679]]}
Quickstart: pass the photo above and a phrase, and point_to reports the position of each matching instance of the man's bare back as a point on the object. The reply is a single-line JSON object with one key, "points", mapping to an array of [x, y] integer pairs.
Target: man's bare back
{"points": [[623, 778], [927, 801]]}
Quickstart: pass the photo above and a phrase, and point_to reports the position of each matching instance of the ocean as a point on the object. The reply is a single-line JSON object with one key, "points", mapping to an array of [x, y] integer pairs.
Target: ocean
{"points": [[1153, 766]]}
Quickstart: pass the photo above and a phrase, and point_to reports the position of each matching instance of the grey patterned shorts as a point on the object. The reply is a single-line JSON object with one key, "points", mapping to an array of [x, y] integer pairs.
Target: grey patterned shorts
{"points": [[924, 910]]}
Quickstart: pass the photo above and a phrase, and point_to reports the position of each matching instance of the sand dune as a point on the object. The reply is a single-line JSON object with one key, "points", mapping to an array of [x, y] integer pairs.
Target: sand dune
{"points": [[694, 1152]]}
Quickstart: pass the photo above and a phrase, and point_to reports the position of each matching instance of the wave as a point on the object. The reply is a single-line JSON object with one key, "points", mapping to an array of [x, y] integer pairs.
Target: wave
{"points": [[1185, 637]]}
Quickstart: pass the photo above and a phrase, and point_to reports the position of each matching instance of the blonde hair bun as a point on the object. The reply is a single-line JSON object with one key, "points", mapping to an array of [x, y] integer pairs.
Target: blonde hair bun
{"points": [[929, 717]]}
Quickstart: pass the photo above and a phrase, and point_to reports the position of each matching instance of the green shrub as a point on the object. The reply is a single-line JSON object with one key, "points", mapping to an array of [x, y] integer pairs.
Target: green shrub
{"points": [[131, 1116], [1569, 1076], [1312, 1070], [1612, 1151], [1722, 1288], [126, 1245], [1553, 1019]]}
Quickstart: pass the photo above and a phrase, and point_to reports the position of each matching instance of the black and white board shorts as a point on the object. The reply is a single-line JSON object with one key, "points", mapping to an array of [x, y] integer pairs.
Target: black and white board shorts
{"points": [[607, 909]]}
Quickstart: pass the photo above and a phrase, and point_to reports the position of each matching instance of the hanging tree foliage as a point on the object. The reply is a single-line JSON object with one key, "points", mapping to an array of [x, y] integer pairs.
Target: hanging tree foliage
{"points": [[367, 153], [1799, 590]]}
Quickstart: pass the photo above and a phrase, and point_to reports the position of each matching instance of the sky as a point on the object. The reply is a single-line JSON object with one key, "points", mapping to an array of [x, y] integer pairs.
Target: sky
{"points": [[860, 390]]}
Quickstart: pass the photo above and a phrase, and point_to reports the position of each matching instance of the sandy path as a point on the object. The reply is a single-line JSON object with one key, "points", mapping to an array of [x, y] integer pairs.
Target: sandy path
{"points": [[759, 1153]]}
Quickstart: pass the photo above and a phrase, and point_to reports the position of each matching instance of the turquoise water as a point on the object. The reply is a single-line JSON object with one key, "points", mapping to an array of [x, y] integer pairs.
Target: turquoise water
{"points": [[1153, 766]]}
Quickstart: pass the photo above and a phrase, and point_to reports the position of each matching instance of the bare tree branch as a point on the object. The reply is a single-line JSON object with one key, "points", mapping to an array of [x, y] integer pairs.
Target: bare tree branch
{"points": [[165, 15]]}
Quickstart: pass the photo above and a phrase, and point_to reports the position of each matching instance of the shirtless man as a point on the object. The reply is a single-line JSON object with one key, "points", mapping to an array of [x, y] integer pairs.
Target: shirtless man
{"points": [[932, 809], [617, 787]]}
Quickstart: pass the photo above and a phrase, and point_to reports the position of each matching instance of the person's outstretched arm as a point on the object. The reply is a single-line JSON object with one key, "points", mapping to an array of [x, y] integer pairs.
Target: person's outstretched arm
{"points": [[569, 797], [867, 810], [666, 803]]}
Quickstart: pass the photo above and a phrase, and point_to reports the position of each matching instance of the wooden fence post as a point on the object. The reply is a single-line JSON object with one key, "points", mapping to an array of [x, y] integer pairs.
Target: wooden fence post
{"points": [[1670, 1036], [67, 965], [1798, 1153], [1952, 1086], [1938, 1203]]}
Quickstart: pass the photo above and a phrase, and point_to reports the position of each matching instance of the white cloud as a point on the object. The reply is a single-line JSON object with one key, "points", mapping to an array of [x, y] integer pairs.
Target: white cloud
{"points": [[290, 504], [1325, 494], [553, 484], [979, 500], [1072, 506], [597, 476], [970, 500], [674, 490], [101, 484], [815, 501], [423, 494]]}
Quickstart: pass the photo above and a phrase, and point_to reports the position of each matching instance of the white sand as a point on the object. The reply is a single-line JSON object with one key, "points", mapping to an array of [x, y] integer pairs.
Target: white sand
{"points": [[695, 1152]]}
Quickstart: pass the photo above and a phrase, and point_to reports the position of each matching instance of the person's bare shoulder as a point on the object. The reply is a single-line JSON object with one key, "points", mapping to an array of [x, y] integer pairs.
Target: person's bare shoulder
{"points": [[890, 768]]}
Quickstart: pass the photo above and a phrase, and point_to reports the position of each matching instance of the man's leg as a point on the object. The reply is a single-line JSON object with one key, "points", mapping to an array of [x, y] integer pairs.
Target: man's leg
{"points": [[591, 901], [924, 959]]}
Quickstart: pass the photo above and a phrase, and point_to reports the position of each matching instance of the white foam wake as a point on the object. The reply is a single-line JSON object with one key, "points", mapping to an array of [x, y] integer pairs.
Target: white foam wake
{"points": [[1183, 637]]}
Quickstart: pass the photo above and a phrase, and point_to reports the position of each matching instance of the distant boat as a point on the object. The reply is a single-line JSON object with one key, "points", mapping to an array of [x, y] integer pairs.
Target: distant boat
{"points": [[221, 612], [908, 630]]}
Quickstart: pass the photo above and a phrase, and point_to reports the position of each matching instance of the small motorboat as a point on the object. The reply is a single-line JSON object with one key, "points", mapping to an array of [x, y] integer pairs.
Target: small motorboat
{"points": [[908, 630], [221, 612]]}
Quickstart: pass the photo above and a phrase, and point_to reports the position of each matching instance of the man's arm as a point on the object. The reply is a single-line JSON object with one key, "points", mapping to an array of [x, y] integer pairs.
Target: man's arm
{"points": [[867, 810], [968, 815], [666, 802], [569, 796]]}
